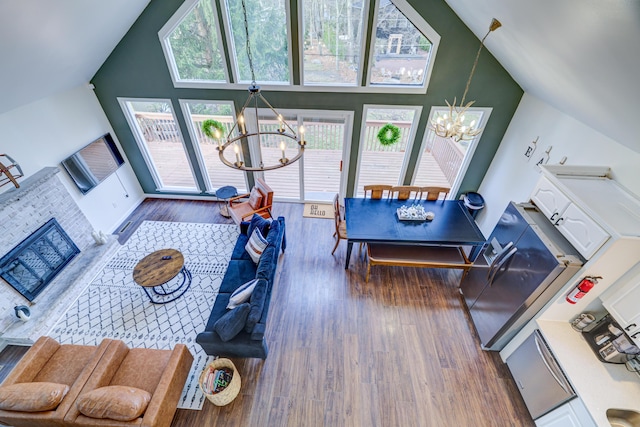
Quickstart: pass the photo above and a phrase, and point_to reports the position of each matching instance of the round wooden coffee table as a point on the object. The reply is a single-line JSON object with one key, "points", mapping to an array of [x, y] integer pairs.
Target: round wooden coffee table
{"points": [[157, 269]]}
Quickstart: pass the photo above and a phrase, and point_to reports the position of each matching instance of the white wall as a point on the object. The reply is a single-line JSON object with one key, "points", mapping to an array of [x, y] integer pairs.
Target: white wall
{"points": [[47, 131], [512, 176]]}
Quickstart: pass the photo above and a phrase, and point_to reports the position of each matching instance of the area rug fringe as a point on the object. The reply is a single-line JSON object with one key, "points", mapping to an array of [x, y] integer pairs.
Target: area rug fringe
{"points": [[113, 306]]}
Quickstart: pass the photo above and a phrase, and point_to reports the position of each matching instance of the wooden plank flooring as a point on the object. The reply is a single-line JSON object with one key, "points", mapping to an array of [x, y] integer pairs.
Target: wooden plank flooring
{"points": [[397, 351]]}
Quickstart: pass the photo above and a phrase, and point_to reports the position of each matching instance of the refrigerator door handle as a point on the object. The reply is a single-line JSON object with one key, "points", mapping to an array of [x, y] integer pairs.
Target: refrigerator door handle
{"points": [[501, 263], [554, 374], [497, 259]]}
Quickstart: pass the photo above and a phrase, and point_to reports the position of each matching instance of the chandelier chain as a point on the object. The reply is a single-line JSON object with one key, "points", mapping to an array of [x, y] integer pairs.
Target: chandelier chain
{"points": [[246, 32], [473, 69]]}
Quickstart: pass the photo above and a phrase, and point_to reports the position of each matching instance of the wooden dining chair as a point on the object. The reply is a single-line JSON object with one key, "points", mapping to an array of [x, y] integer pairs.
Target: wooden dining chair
{"points": [[404, 192], [376, 191], [433, 193], [340, 224]]}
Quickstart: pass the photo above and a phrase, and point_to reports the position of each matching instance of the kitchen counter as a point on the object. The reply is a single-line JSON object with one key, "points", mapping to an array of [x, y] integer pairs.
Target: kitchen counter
{"points": [[599, 385]]}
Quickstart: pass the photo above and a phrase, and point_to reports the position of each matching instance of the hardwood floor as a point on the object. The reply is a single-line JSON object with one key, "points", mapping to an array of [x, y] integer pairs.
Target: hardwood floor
{"points": [[397, 351]]}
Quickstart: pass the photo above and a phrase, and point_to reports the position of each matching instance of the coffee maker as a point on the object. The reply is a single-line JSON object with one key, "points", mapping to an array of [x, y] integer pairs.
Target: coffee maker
{"points": [[609, 341]]}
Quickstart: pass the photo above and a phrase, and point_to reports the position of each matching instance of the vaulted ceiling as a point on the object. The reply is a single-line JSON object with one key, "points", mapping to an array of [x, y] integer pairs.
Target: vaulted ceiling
{"points": [[580, 56]]}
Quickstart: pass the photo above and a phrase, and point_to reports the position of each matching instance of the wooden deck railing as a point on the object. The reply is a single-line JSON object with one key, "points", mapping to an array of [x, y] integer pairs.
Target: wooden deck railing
{"points": [[160, 127]]}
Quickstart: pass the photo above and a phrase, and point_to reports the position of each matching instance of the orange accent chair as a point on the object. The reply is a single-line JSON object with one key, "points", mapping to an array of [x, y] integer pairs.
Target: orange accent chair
{"points": [[404, 192], [258, 201]]}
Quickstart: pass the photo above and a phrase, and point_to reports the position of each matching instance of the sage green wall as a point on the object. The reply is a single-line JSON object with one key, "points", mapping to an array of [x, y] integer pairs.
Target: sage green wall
{"points": [[137, 68]]}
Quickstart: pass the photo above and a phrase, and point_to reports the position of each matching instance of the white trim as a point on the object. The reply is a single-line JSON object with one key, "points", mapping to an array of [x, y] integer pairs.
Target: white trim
{"points": [[424, 28], [473, 144], [410, 138], [144, 150], [168, 28]]}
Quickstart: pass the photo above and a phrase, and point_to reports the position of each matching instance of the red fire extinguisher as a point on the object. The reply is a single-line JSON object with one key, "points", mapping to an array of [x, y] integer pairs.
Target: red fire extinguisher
{"points": [[582, 288]]}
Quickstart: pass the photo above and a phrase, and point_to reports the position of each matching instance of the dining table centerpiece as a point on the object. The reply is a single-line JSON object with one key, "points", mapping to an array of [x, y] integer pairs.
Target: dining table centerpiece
{"points": [[414, 212]]}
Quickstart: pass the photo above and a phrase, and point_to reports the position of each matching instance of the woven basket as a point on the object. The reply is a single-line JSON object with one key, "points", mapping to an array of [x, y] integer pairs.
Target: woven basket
{"points": [[227, 395]]}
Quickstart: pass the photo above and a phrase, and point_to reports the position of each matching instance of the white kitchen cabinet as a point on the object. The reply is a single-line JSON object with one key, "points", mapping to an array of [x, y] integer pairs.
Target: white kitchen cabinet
{"points": [[583, 232], [622, 301], [571, 414], [549, 199]]}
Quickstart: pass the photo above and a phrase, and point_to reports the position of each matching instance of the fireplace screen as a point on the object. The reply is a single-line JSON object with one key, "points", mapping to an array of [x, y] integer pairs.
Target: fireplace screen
{"points": [[33, 264]]}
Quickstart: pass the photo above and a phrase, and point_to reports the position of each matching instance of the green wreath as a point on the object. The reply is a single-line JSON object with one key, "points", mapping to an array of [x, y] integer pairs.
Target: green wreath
{"points": [[209, 125], [389, 134]]}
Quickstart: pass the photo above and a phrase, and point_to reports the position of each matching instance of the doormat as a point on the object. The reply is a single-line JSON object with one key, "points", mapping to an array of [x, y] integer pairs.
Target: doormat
{"points": [[113, 306], [318, 210]]}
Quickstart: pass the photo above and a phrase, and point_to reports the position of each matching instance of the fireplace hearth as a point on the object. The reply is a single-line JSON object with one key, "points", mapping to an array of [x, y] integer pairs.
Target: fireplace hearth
{"points": [[37, 260]]}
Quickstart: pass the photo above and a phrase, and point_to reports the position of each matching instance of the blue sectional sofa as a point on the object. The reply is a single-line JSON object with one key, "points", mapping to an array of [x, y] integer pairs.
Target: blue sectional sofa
{"points": [[250, 341]]}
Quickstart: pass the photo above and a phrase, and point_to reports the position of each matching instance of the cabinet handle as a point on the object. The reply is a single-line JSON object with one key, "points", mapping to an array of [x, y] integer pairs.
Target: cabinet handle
{"points": [[558, 221], [631, 326], [635, 335], [553, 216]]}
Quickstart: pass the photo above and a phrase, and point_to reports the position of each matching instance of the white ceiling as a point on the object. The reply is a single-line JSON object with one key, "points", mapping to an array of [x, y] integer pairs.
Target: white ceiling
{"points": [[580, 56], [48, 46]]}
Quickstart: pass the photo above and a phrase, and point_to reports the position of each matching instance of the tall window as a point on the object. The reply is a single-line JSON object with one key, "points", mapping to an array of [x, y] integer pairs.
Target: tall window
{"points": [[385, 164], [443, 162], [268, 35], [333, 37], [401, 51], [154, 126], [216, 174], [332, 41], [191, 42]]}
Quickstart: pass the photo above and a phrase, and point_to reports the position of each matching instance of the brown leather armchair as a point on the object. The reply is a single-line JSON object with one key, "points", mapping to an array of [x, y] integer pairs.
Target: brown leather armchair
{"points": [[259, 201], [161, 373], [50, 362]]}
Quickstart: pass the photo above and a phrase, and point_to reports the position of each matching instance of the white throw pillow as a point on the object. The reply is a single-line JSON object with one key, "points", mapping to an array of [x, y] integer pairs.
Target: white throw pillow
{"points": [[256, 245], [242, 294]]}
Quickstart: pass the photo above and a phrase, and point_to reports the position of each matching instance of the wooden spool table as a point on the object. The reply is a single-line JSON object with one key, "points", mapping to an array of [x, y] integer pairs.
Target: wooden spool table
{"points": [[157, 269]]}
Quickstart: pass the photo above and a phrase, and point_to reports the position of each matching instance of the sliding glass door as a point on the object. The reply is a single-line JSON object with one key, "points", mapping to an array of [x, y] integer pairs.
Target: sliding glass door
{"points": [[317, 176]]}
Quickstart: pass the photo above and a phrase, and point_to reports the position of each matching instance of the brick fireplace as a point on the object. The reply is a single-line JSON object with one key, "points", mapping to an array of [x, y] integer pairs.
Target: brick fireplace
{"points": [[40, 198]]}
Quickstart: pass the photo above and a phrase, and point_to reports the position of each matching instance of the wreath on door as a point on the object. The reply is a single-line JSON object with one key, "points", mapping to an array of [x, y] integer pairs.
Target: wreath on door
{"points": [[389, 134], [209, 126]]}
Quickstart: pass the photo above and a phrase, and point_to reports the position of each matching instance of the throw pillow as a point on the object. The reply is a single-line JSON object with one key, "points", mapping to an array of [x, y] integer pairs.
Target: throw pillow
{"points": [[32, 397], [115, 402], [230, 325], [258, 298], [242, 294], [256, 245], [255, 199], [260, 223]]}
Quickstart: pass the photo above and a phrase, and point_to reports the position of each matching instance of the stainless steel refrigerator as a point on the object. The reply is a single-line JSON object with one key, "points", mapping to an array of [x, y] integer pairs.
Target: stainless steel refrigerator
{"points": [[525, 263]]}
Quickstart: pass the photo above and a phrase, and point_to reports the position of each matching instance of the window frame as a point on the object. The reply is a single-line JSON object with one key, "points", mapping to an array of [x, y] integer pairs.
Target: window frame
{"points": [[169, 27], [229, 56], [144, 151], [232, 53], [411, 139], [186, 112], [473, 144], [363, 50], [423, 26]]}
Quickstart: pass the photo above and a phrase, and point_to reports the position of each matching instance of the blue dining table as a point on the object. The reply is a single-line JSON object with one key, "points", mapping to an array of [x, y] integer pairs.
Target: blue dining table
{"points": [[375, 221]]}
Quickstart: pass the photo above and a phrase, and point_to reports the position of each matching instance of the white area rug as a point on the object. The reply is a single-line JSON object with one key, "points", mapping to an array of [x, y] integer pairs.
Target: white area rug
{"points": [[113, 306]]}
